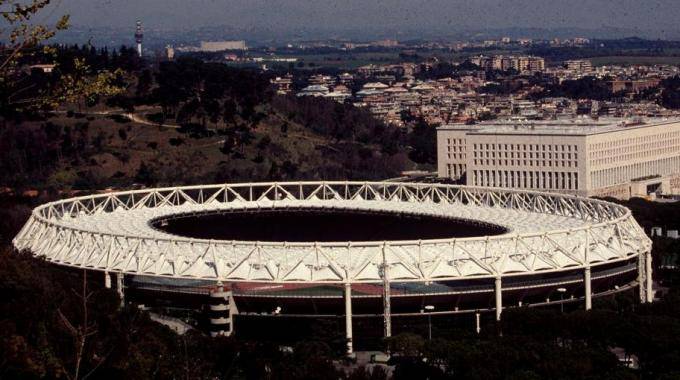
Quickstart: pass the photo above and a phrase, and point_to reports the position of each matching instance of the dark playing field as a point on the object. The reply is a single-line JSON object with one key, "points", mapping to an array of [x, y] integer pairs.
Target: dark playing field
{"points": [[320, 225]]}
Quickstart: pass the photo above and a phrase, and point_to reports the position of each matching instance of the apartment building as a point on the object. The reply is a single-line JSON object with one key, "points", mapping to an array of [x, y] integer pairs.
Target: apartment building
{"points": [[579, 65]]}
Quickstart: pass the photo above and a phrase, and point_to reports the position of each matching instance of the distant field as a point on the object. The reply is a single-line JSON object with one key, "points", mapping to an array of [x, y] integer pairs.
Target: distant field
{"points": [[635, 60], [352, 59], [349, 60]]}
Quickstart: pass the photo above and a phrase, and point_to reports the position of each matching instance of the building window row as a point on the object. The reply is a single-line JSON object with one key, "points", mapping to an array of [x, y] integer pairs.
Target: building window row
{"points": [[627, 173], [457, 156], [526, 147], [523, 179], [530, 155], [659, 137], [624, 154], [529, 163]]}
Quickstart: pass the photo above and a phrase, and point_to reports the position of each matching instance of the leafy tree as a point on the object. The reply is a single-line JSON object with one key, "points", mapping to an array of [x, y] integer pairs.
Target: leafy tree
{"points": [[228, 144], [22, 37], [670, 95], [145, 174], [378, 373], [84, 86], [289, 169], [121, 101], [583, 88], [407, 345], [486, 115], [423, 141], [144, 83], [264, 142], [467, 65], [229, 111]]}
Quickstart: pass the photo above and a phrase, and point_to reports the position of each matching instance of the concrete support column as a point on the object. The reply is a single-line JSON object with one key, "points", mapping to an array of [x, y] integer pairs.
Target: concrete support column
{"points": [[648, 277], [107, 280], [499, 298], [348, 318], [387, 312], [588, 289], [119, 287], [642, 279], [387, 309]]}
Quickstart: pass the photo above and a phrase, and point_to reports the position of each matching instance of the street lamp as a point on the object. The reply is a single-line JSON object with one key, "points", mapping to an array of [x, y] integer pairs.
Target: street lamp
{"points": [[429, 309], [561, 291]]}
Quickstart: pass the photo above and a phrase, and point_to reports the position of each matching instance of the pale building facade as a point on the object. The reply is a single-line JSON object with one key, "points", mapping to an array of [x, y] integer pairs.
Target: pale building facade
{"points": [[215, 46], [589, 158]]}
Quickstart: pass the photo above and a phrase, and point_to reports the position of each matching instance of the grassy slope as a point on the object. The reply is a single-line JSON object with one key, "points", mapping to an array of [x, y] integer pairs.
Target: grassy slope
{"points": [[198, 160]]}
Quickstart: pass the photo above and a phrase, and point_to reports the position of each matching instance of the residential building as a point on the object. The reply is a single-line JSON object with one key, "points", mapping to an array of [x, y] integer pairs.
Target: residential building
{"points": [[314, 90], [579, 65], [283, 85], [634, 86]]}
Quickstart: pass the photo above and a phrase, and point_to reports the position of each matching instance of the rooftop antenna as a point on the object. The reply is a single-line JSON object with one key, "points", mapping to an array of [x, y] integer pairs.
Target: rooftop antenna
{"points": [[139, 36]]}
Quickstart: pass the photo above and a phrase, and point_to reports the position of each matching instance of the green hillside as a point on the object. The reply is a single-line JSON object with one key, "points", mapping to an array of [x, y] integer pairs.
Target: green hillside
{"points": [[190, 122]]}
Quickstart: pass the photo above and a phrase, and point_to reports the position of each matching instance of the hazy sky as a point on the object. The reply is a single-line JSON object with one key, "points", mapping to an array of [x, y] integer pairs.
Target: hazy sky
{"points": [[657, 15]]}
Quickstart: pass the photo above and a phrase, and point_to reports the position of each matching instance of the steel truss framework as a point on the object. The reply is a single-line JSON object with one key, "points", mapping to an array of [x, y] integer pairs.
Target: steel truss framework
{"points": [[71, 232]]}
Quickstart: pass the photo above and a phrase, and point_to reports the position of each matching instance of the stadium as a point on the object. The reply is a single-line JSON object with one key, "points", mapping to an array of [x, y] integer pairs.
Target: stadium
{"points": [[345, 249]]}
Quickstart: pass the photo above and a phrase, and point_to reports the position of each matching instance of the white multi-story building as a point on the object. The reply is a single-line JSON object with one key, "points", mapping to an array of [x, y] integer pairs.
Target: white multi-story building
{"points": [[593, 158], [579, 65], [519, 63], [215, 46]]}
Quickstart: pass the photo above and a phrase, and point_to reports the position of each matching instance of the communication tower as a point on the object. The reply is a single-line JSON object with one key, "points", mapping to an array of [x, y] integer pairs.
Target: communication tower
{"points": [[139, 36]]}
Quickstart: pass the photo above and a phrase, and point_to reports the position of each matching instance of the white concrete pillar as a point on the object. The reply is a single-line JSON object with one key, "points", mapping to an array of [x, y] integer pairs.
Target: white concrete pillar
{"points": [[499, 298], [648, 277], [642, 285], [119, 288], [387, 313], [348, 317], [107, 280], [588, 289]]}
